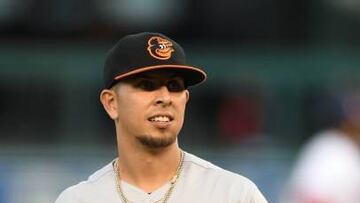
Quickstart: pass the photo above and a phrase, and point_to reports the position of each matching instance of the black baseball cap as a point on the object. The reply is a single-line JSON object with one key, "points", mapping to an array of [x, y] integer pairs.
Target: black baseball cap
{"points": [[148, 51]]}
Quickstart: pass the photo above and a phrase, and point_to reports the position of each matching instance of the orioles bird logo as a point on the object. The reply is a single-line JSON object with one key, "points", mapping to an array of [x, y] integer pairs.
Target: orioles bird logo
{"points": [[160, 48]]}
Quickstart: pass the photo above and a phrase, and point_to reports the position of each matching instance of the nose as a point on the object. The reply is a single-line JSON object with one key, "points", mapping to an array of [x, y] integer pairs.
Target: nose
{"points": [[163, 96]]}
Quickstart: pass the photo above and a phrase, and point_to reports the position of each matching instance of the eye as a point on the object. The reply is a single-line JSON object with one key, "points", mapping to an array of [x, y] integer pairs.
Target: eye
{"points": [[175, 85], [146, 85]]}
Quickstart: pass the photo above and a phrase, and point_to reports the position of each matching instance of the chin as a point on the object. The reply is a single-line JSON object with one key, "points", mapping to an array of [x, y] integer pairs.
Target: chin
{"points": [[156, 142]]}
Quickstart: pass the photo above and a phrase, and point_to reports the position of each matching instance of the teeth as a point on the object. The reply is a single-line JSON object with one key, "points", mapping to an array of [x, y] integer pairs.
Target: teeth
{"points": [[160, 119]]}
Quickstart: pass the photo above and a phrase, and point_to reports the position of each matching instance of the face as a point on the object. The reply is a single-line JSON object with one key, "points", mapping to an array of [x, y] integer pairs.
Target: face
{"points": [[151, 107]]}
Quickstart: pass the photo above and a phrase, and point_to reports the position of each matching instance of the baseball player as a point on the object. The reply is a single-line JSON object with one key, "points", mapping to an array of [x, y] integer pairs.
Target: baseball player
{"points": [[327, 169], [145, 94]]}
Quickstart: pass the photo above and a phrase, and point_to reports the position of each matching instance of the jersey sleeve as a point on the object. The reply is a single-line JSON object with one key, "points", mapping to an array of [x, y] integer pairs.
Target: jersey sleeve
{"points": [[246, 191], [67, 196], [257, 196]]}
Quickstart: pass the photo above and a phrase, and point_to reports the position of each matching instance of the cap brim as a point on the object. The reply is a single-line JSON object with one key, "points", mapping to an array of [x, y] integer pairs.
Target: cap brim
{"points": [[192, 75]]}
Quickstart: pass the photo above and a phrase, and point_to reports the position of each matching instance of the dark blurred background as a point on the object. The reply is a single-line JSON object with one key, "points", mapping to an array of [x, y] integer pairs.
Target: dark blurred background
{"points": [[273, 69]]}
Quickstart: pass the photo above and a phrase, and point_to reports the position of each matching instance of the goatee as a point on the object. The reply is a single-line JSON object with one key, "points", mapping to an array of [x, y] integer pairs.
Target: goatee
{"points": [[156, 142]]}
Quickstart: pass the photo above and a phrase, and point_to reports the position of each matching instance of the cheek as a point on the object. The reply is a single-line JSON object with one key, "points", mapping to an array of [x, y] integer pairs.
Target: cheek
{"points": [[129, 109], [182, 105], [126, 109]]}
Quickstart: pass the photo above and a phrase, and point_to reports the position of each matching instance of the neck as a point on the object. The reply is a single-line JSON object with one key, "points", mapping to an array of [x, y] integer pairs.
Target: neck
{"points": [[148, 169]]}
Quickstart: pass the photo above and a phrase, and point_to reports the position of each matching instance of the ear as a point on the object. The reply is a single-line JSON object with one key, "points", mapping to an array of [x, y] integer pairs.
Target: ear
{"points": [[187, 94], [109, 102]]}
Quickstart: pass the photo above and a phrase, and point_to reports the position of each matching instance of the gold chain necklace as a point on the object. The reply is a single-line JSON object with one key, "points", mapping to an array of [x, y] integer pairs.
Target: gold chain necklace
{"points": [[167, 194]]}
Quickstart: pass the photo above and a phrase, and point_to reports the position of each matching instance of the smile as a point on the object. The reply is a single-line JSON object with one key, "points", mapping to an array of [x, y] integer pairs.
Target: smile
{"points": [[160, 118]]}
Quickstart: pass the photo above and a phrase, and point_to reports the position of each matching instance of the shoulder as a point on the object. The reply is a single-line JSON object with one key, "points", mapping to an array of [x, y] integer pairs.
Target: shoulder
{"points": [[102, 178], [227, 184], [330, 157], [328, 149], [332, 141], [206, 168]]}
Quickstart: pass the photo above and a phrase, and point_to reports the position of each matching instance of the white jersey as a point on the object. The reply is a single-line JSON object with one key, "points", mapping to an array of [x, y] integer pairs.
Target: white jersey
{"points": [[328, 171], [200, 181]]}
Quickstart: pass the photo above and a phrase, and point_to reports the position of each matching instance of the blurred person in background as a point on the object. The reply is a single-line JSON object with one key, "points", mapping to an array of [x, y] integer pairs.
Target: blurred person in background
{"points": [[145, 93], [328, 167]]}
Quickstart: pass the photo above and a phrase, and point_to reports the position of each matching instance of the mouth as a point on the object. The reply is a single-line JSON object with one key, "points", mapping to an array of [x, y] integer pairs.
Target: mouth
{"points": [[161, 118]]}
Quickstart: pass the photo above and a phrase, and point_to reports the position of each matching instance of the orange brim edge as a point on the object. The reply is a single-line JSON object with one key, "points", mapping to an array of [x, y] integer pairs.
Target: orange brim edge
{"points": [[147, 68]]}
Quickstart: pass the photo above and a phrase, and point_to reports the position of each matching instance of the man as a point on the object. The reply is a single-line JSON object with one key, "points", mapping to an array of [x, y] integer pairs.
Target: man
{"points": [[328, 167], [146, 80]]}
